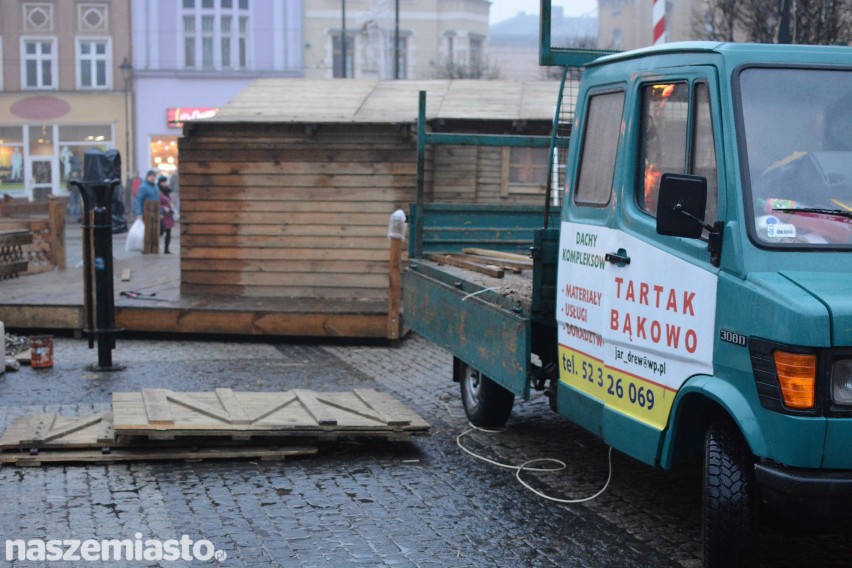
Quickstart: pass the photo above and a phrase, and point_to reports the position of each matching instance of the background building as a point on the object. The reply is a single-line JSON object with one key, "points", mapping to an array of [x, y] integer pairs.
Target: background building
{"points": [[125, 74], [190, 57], [513, 43], [435, 37], [627, 24], [61, 90]]}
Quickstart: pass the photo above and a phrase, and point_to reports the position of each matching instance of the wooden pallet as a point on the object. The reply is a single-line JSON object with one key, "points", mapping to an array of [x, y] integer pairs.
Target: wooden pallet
{"points": [[27, 459], [159, 424], [50, 431], [162, 414]]}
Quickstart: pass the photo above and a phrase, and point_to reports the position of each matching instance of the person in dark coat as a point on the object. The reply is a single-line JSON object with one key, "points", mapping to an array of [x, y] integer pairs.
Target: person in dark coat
{"points": [[167, 219]]}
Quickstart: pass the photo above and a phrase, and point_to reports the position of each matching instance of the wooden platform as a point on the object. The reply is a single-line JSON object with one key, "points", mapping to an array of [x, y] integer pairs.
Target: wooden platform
{"points": [[162, 424], [54, 301], [153, 454], [161, 414]]}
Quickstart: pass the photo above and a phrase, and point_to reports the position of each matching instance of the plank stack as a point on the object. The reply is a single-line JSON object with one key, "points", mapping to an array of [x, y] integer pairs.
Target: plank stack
{"points": [[157, 424]]}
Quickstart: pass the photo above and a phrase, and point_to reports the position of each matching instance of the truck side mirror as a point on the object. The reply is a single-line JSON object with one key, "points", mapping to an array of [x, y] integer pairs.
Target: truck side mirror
{"points": [[681, 205]]}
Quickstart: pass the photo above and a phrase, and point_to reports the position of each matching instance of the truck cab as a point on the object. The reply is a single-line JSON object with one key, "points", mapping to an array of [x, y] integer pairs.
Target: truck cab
{"points": [[693, 301], [704, 288]]}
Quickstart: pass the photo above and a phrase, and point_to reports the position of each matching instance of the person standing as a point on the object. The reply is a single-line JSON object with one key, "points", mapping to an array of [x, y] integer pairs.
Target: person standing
{"points": [[147, 192], [167, 220], [17, 165], [74, 200]]}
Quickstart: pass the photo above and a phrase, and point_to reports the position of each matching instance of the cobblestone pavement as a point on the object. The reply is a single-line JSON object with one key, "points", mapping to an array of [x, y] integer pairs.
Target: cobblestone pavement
{"points": [[424, 503]]}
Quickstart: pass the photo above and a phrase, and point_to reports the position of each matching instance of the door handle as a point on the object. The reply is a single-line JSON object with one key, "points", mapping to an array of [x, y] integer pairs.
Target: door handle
{"points": [[619, 258]]}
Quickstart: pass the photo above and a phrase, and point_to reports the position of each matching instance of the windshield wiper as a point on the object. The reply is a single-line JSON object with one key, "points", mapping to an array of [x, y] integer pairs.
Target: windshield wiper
{"points": [[835, 212]]}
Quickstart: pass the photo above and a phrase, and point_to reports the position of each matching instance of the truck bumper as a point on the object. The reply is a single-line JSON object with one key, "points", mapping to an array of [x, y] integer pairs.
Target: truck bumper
{"points": [[817, 500]]}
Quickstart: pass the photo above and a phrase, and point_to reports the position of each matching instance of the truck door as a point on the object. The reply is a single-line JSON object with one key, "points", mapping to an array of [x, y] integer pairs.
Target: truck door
{"points": [[638, 310]]}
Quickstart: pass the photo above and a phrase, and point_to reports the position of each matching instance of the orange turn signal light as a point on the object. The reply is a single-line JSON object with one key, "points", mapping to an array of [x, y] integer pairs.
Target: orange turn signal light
{"points": [[797, 377]]}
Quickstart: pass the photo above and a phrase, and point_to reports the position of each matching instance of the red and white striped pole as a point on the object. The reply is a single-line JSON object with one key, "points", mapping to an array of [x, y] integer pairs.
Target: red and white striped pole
{"points": [[659, 16]]}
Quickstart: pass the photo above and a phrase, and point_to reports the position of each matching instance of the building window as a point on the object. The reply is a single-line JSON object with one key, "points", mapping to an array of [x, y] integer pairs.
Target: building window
{"points": [[74, 141], [164, 153], [215, 34], [188, 41], [12, 160], [243, 42], [476, 52], [616, 39], [38, 159], [524, 170], [226, 38], [402, 57], [93, 64], [207, 42], [38, 63], [337, 54]]}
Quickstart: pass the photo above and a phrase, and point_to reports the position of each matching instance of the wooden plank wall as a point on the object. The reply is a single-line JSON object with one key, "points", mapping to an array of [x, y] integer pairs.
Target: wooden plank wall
{"points": [[291, 210], [474, 174]]}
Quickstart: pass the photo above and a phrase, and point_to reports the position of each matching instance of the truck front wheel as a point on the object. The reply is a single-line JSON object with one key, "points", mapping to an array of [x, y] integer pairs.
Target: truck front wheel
{"points": [[728, 523], [486, 403]]}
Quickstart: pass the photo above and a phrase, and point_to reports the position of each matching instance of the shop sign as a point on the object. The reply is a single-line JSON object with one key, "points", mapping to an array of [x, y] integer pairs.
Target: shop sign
{"points": [[176, 116]]}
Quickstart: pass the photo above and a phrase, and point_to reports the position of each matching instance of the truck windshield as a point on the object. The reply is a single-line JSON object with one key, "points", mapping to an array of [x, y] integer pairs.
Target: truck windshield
{"points": [[798, 137]]}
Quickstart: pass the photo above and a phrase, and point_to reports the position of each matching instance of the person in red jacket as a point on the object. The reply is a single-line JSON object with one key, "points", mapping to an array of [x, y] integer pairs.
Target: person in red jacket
{"points": [[167, 220]]}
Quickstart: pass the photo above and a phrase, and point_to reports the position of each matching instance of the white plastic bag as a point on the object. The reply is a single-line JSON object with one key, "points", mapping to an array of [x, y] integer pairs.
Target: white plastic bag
{"points": [[135, 236], [396, 226]]}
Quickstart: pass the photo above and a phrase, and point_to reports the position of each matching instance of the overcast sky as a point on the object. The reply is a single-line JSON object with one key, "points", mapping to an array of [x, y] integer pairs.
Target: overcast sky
{"points": [[505, 9]]}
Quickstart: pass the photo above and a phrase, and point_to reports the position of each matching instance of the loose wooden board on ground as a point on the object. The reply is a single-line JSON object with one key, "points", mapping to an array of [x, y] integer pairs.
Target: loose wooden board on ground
{"points": [[164, 414], [157, 424], [154, 454]]}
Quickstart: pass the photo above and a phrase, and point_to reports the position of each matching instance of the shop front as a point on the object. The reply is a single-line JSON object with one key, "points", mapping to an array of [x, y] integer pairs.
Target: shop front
{"points": [[43, 139]]}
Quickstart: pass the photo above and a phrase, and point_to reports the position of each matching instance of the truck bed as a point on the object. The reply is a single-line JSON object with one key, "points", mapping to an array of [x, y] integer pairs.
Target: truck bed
{"points": [[485, 321], [513, 289]]}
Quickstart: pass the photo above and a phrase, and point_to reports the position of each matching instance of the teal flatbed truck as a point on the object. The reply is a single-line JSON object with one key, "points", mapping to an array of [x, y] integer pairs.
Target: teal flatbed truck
{"points": [[692, 302]]}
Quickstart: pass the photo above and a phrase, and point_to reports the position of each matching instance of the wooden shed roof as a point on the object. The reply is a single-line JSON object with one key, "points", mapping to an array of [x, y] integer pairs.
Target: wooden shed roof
{"points": [[364, 101]]}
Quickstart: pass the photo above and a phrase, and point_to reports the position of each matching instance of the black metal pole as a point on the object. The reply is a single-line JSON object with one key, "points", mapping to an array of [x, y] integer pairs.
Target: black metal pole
{"points": [[98, 269], [88, 295], [396, 43], [784, 23], [102, 267], [343, 38]]}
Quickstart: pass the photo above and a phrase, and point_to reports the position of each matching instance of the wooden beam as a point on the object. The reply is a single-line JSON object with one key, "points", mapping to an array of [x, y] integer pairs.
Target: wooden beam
{"points": [[394, 288], [507, 264], [488, 270], [157, 406], [497, 254]]}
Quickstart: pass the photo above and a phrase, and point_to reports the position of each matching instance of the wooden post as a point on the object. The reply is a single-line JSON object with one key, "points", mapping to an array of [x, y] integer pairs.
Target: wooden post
{"points": [[56, 226], [396, 233], [152, 228], [395, 288]]}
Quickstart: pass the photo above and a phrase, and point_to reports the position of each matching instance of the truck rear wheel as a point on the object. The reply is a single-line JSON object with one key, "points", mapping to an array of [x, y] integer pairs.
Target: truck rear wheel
{"points": [[486, 403], [728, 516]]}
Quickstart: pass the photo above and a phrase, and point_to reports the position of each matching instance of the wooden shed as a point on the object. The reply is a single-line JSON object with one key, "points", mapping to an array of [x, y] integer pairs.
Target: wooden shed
{"points": [[287, 191]]}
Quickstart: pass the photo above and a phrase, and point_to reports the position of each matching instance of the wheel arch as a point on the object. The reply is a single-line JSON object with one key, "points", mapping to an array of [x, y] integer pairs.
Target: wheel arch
{"points": [[700, 402]]}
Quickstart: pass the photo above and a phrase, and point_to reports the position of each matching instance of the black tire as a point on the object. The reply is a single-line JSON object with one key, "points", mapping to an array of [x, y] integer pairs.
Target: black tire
{"points": [[486, 404], [729, 505]]}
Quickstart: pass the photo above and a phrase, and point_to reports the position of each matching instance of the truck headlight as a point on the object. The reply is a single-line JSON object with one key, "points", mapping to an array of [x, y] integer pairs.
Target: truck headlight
{"points": [[841, 382]]}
